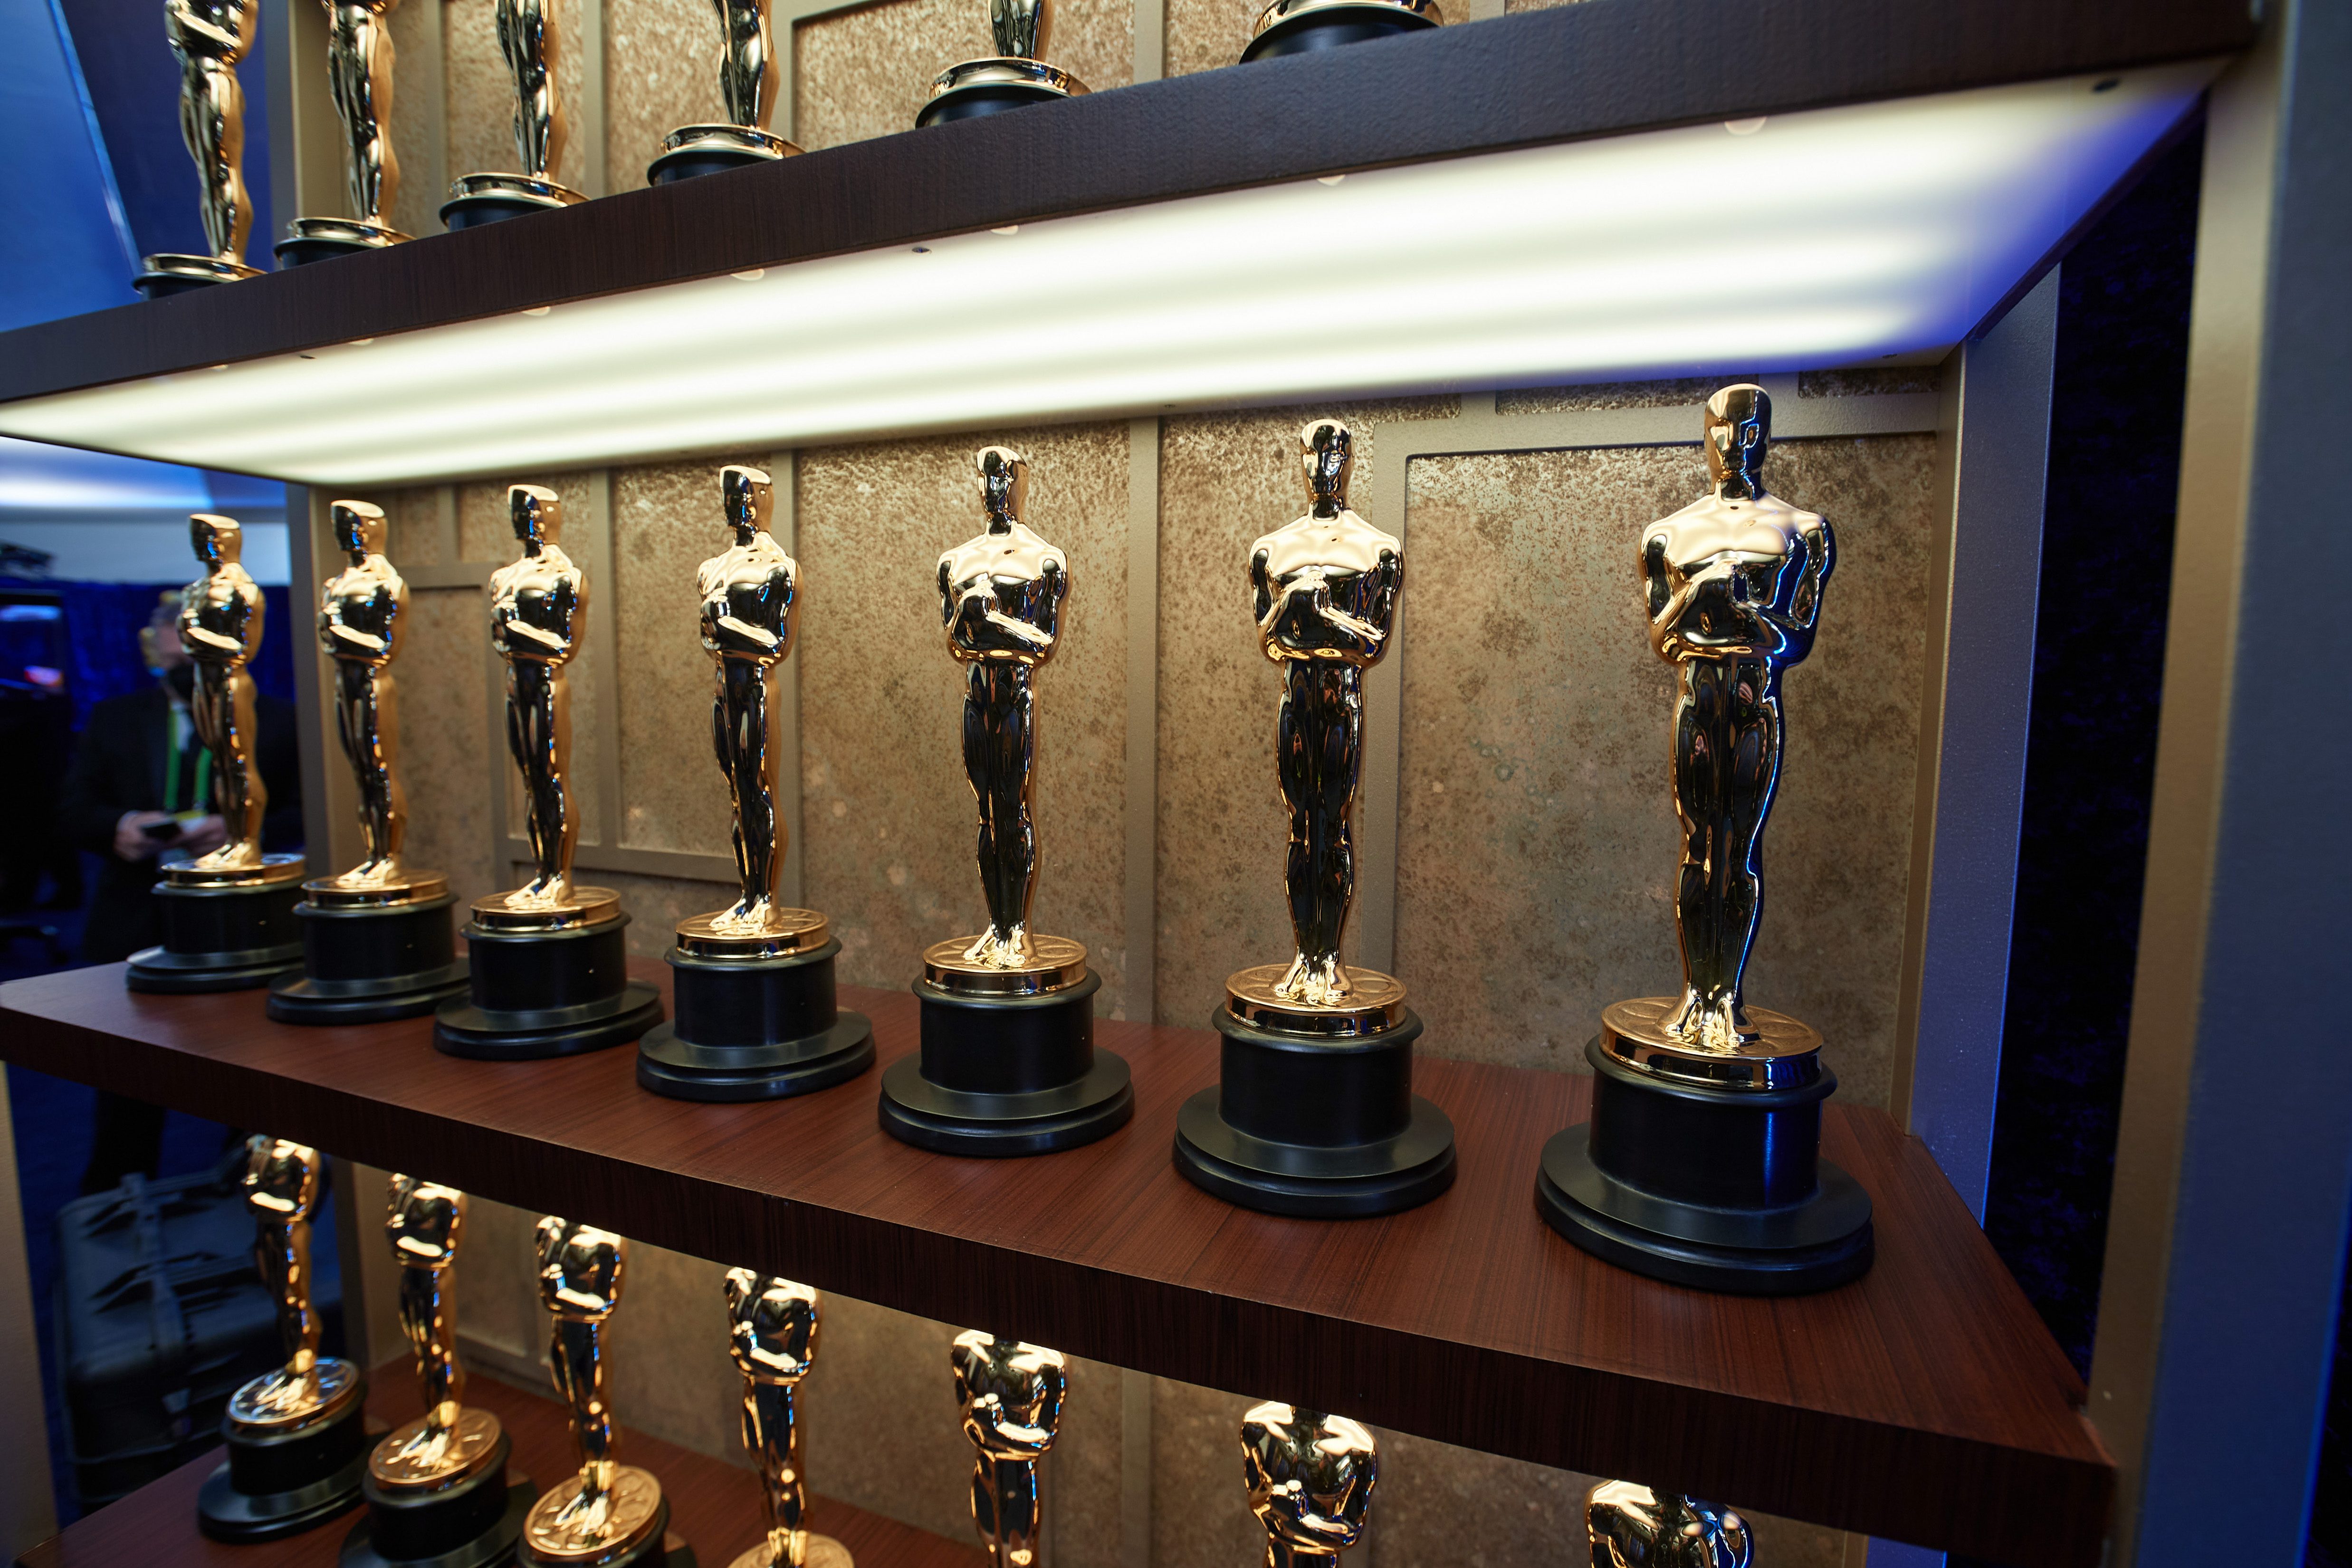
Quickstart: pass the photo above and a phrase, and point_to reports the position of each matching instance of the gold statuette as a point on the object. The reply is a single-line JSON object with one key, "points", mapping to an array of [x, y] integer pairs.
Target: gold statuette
{"points": [[363, 621], [1011, 1399], [528, 39], [1326, 589], [1630, 1526], [747, 90], [221, 623], [359, 68], [539, 614], [1009, 79], [772, 1334], [608, 1511], [1733, 584], [1001, 596], [1310, 1483], [425, 1222], [281, 1191], [751, 596], [209, 37]]}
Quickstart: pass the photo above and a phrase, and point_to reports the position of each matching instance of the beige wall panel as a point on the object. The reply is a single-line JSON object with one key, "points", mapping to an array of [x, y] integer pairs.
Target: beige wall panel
{"points": [[654, 905], [443, 734], [661, 71], [1536, 839], [495, 1286], [1083, 1498], [1199, 1508], [888, 814], [669, 1371], [1225, 479], [415, 516], [1611, 394], [881, 1410], [865, 73], [416, 204], [481, 94], [1869, 382], [666, 523], [1205, 34]]}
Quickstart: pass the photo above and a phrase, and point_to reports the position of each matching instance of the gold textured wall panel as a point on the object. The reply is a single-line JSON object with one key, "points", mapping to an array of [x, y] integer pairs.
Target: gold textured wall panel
{"points": [[666, 523], [444, 728], [661, 71]]}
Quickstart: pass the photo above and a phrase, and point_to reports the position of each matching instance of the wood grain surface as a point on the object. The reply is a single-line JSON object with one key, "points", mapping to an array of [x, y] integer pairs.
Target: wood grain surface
{"points": [[1924, 1403], [1599, 68], [714, 1507]]}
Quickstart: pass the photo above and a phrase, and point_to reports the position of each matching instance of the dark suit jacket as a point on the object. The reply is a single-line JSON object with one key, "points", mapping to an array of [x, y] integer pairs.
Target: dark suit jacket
{"points": [[118, 767]]}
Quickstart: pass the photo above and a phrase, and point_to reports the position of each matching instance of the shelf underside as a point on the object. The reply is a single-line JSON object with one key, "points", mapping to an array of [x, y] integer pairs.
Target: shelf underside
{"points": [[1925, 1403]]}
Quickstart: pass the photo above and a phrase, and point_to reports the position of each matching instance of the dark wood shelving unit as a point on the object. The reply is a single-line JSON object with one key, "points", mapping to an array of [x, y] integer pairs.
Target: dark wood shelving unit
{"points": [[1602, 68], [714, 1507], [1925, 1403]]}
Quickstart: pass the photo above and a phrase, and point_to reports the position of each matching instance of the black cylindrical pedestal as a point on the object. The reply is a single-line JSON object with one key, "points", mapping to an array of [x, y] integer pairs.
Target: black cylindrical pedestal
{"points": [[540, 993], [472, 1523], [224, 938], [971, 102], [1007, 1074], [1323, 1127], [365, 963], [754, 1029], [1333, 28], [282, 1484], [1715, 1187]]}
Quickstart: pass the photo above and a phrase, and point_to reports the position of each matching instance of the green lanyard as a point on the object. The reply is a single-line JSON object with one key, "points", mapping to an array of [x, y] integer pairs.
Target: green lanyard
{"points": [[171, 767]]}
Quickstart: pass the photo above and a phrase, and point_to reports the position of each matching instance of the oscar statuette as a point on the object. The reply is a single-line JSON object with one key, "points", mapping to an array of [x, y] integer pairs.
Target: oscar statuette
{"points": [[1314, 1112], [1008, 1064], [227, 917], [1630, 1526], [1296, 27], [756, 1016], [772, 1332], [528, 39], [437, 1490], [1310, 1483], [610, 1515], [1702, 1162], [376, 942], [550, 965], [209, 37], [297, 1437], [1011, 1394], [1012, 78], [746, 90], [359, 68]]}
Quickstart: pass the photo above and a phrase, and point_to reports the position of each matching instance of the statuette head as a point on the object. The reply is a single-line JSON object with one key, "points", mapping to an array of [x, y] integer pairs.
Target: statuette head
{"points": [[1326, 452], [1004, 484], [772, 1326], [423, 1223], [538, 515], [281, 1178], [1630, 1526], [217, 540], [1011, 1393], [748, 498], [359, 528], [580, 1269], [1311, 1476], [1739, 430]]}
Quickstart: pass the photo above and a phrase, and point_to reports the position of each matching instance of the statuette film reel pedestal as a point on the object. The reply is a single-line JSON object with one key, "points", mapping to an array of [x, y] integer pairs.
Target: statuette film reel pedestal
{"points": [[371, 954], [225, 928], [1296, 27], [756, 1015], [548, 981]]}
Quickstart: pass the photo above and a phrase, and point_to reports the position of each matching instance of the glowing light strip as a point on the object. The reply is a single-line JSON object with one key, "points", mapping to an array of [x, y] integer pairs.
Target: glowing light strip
{"points": [[1826, 238]]}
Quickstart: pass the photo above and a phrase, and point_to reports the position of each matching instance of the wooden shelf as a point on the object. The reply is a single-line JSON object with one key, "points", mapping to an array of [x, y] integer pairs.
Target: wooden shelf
{"points": [[714, 1507], [1925, 1403], [1602, 68]]}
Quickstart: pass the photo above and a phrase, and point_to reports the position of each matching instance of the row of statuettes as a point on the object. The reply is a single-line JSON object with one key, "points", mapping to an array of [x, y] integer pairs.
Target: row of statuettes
{"points": [[209, 37], [1314, 1115], [437, 1490]]}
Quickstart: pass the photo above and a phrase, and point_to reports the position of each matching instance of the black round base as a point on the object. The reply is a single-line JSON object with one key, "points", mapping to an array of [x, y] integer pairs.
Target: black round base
{"points": [[1331, 30], [655, 1552], [693, 162], [1823, 1241], [304, 249], [765, 1029], [485, 206], [220, 938], [973, 102], [1316, 1127], [1006, 1076], [471, 1524], [164, 285], [277, 1486], [365, 965], [541, 994]]}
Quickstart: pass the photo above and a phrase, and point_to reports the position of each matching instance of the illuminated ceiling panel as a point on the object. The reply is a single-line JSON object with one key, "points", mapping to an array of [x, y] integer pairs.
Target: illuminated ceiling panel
{"points": [[1826, 238]]}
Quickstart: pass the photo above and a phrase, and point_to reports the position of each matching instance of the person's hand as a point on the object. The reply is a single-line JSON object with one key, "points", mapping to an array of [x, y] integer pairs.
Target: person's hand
{"points": [[203, 836], [131, 840]]}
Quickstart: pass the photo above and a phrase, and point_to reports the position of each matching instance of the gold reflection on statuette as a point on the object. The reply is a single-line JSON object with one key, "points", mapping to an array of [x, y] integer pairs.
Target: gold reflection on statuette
{"points": [[1011, 1394], [772, 1331], [424, 1223], [1627, 1525], [1310, 1480], [281, 1193], [209, 37], [221, 623], [607, 1506]]}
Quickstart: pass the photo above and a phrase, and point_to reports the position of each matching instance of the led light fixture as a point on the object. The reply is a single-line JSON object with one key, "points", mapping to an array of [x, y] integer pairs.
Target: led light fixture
{"points": [[1822, 238]]}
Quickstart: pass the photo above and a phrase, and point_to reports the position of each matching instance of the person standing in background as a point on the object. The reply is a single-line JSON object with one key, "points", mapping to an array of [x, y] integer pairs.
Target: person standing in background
{"points": [[141, 788]]}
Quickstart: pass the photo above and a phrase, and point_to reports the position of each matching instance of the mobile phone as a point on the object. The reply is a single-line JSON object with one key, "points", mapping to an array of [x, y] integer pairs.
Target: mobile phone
{"points": [[163, 832]]}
